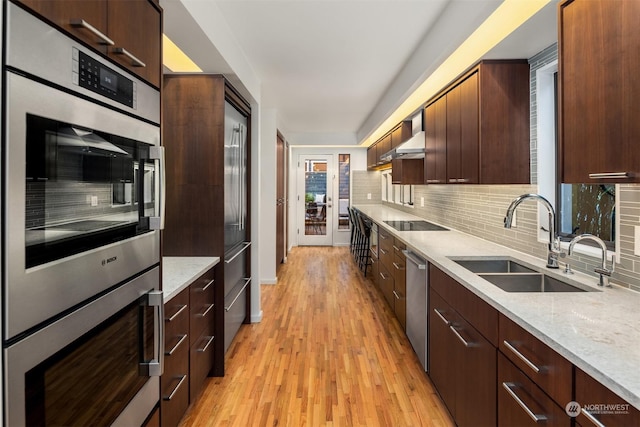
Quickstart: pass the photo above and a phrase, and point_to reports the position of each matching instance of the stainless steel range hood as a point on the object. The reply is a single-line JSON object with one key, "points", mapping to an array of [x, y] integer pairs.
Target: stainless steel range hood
{"points": [[414, 148]]}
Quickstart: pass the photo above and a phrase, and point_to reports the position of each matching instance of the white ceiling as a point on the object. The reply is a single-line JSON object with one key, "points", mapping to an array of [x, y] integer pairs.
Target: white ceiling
{"points": [[334, 66]]}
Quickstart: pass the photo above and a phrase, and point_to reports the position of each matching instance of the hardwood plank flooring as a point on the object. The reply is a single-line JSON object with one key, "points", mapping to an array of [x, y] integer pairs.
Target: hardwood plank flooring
{"points": [[328, 352]]}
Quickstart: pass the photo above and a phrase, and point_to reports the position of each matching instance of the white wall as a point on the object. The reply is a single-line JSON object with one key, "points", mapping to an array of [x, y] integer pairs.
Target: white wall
{"points": [[358, 162], [268, 181]]}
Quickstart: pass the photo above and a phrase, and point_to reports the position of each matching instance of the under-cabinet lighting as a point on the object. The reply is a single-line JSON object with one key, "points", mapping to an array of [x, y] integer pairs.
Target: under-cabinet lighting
{"points": [[502, 22], [175, 59]]}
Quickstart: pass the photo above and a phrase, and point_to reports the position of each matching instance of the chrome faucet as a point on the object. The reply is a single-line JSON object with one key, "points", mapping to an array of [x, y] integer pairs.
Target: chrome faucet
{"points": [[553, 249], [602, 271]]}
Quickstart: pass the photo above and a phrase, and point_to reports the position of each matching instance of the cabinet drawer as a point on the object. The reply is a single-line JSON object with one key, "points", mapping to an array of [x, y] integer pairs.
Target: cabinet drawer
{"points": [[481, 315], [201, 358], [385, 241], [385, 280], [201, 301], [521, 402], [549, 370], [590, 394], [176, 317], [174, 385]]}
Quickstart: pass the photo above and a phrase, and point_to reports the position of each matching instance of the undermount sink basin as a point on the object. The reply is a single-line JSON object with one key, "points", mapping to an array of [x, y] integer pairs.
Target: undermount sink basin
{"points": [[529, 282], [494, 266], [511, 276]]}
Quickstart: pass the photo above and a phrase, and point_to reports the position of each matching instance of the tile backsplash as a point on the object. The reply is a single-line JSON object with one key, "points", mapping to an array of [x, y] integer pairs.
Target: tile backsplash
{"points": [[479, 209]]}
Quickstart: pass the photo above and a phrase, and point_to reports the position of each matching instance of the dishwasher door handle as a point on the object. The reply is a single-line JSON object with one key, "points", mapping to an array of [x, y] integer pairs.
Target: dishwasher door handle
{"points": [[419, 262]]}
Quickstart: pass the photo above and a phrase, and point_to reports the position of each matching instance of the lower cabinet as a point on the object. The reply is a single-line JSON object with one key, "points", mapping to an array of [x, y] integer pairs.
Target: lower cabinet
{"points": [[189, 354], [462, 362], [522, 403]]}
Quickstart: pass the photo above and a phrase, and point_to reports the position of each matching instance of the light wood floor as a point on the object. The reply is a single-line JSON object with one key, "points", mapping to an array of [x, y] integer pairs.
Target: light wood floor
{"points": [[328, 352]]}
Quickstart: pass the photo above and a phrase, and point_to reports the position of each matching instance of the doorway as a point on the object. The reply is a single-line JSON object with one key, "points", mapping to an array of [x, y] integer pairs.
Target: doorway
{"points": [[315, 199]]}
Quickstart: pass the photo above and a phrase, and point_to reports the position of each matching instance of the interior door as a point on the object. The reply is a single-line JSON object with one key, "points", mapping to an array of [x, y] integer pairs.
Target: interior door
{"points": [[280, 201], [315, 200]]}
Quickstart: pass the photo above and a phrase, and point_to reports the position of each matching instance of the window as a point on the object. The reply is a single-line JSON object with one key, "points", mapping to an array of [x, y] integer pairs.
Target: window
{"points": [[580, 208], [396, 193], [344, 171]]}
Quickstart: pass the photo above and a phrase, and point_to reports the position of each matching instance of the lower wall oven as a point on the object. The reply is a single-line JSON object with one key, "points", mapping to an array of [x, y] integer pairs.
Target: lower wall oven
{"points": [[98, 365]]}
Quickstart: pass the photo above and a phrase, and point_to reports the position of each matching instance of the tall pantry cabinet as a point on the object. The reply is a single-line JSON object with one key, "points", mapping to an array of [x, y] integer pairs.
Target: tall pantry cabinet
{"points": [[194, 140]]}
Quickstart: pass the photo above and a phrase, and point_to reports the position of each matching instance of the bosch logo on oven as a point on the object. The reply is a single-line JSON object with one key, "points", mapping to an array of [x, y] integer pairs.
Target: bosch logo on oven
{"points": [[109, 260]]}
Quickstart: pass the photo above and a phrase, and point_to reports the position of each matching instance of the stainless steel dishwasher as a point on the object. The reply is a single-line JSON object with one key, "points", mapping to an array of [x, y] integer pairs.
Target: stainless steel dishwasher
{"points": [[417, 294]]}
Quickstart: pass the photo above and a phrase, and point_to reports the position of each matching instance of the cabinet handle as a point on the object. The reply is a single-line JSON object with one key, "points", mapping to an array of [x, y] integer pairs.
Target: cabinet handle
{"points": [[205, 287], [397, 266], [382, 236], [536, 418], [175, 389], [81, 23], [457, 334], [441, 316], [384, 277], [453, 180], [433, 181], [521, 356], [395, 248], [591, 418], [610, 175], [383, 251], [204, 313], [247, 280], [183, 307], [134, 61], [175, 347], [209, 341], [395, 294]]}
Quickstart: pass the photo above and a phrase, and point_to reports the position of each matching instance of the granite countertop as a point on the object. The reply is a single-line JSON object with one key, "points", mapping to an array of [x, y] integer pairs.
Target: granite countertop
{"points": [[599, 331], [180, 272]]}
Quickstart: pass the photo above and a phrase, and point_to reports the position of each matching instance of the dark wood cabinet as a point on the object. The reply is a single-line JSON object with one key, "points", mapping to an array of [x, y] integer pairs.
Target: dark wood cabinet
{"points": [[174, 383], [599, 90], [383, 146], [193, 136], [385, 265], [462, 361], [600, 406], [522, 403], [372, 157], [401, 133], [407, 171], [435, 157], [400, 282], [477, 128], [129, 32], [201, 330]]}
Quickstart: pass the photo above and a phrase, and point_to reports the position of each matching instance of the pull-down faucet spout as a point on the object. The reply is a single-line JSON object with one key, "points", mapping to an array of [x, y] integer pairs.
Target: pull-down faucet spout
{"points": [[553, 249], [603, 271]]}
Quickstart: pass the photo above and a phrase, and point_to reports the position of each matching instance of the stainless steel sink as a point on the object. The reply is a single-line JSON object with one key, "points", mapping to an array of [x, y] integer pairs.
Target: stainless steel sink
{"points": [[529, 282], [494, 266], [511, 276]]}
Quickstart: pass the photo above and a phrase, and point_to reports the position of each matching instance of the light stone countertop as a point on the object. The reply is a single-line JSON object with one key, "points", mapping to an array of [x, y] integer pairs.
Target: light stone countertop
{"points": [[180, 272], [599, 332]]}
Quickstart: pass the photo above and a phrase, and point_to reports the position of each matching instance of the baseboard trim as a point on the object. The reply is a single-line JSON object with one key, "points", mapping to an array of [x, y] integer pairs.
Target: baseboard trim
{"points": [[256, 318]]}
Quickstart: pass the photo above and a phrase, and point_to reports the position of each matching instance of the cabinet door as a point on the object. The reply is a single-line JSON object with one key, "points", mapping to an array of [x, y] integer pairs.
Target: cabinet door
{"points": [[400, 283], [400, 133], [454, 142], [522, 403], [435, 158], [469, 138], [599, 91], [386, 284], [443, 354], [597, 400], [93, 14], [136, 27], [383, 146], [372, 158]]}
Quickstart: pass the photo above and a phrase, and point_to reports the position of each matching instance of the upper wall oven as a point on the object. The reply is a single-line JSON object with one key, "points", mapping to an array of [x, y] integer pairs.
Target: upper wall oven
{"points": [[84, 175]]}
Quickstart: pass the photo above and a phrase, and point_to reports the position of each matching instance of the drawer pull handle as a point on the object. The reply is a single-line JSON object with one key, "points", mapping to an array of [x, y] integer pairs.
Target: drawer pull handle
{"points": [[183, 307], [610, 175], [206, 346], [134, 61], [395, 294], [395, 248], [521, 356], [383, 251], [175, 347], [384, 276], [441, 316], [535, 417], [81, 23], [206, 311], [591, 418], [457, 334], [247, 280], [175, 389], [383, 236], [397, 266], [205, 287], [433, 181]]}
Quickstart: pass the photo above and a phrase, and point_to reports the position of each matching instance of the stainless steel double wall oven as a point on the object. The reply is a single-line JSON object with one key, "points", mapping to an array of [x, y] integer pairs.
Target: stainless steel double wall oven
{"points": [[82, 197]]}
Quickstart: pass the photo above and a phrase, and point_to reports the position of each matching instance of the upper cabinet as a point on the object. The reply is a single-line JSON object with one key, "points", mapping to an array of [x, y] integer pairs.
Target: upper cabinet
{"points": [[127, 31], [401, 133], [599, 130], [477, 129], [398, 135]]}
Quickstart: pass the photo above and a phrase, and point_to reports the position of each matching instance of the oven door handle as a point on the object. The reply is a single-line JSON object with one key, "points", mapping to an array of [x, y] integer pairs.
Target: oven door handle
{"points": [[155, 366], [156, 152]]}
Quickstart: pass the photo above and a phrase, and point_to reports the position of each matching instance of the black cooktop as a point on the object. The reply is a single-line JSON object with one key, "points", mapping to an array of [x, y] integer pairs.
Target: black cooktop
{"points": [[415, 226]]}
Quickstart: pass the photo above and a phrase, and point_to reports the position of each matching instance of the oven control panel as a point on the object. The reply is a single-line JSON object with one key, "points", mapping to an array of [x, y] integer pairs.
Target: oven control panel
{"points": [[91, 74]]}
